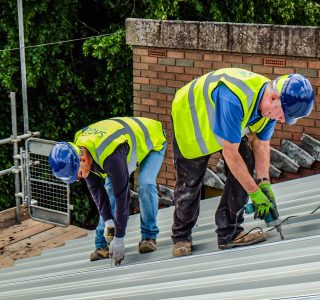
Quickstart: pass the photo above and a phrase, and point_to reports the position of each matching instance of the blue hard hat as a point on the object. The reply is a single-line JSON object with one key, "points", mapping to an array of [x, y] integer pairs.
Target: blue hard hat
{"points": [[297, 96], [64, 160]]}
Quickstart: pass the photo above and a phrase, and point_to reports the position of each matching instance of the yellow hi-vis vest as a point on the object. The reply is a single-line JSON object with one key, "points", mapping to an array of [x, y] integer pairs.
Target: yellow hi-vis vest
{"points": [[193, 109], [102, 138]]}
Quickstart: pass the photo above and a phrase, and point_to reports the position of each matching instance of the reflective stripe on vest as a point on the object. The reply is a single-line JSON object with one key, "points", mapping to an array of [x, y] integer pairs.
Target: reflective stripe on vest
{"points": [[132, 164], [195, 119], [146, 133], [210, 108]]}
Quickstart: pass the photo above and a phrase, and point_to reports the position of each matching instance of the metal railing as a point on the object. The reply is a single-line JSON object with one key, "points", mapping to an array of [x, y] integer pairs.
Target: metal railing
{"points": [[15, 139], [48, 196]]}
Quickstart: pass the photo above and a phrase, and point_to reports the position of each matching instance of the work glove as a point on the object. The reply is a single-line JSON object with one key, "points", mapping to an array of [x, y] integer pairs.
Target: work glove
{"points": [[109, 231], [261, 203], [267, 190], [116, 250]]}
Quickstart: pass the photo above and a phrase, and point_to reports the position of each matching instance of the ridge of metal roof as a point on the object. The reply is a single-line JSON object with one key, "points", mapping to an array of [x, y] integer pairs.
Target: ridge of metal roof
{"points": [[275, 269]]}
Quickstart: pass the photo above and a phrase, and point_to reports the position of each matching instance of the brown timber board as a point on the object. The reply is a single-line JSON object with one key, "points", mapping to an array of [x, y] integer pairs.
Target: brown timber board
{"points": [[8, 216], [31, 237]]}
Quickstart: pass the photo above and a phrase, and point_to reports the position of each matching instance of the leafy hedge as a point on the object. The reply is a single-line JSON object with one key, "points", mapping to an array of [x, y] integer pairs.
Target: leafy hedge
{"points": [[72, 84]]}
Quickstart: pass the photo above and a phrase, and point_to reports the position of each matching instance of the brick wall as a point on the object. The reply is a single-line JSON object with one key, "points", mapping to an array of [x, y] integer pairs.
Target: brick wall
{"points": [[158, 72]]}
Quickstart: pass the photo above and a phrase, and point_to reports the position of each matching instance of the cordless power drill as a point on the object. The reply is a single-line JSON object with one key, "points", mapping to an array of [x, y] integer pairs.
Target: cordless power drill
{"points": [[271, 219]]}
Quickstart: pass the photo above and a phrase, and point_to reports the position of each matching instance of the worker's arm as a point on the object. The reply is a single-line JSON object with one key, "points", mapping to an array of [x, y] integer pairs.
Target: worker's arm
{"points": [[115, 165], [261, 152], [98, 192], [240, 171]]}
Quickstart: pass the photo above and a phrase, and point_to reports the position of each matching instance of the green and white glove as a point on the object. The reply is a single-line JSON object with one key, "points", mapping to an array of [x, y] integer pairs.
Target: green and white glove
{"points": [[261, 202]]}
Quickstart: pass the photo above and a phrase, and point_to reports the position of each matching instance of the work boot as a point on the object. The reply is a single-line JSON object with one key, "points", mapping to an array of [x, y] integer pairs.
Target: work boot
{"points": [[147, 245], [245, 239], [182, 248], [99, 253]]}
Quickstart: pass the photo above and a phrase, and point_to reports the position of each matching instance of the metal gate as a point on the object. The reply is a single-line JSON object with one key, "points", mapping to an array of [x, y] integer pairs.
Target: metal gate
{"points": [[47, 196]]}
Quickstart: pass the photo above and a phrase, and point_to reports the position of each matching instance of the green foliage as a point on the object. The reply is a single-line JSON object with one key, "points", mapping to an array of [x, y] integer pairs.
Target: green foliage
{"points": [[73, 84], [116, 55], [84, 212], [281, 12]]}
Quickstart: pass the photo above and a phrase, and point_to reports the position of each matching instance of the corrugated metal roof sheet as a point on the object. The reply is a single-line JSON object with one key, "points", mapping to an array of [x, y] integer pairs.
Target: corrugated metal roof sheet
{"points": [[275, 269]]}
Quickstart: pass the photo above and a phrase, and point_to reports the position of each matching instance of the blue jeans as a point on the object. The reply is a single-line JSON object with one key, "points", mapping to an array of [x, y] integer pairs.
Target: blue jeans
{"points": [[148, 197]]}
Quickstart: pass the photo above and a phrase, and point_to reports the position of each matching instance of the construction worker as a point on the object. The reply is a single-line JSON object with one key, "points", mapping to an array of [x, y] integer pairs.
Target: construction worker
{"points": [[215, 112], [115, 147]]}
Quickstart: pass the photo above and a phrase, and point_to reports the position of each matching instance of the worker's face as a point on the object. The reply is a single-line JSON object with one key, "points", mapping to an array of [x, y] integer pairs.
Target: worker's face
{"points": [[85, 165], [273, 109]]}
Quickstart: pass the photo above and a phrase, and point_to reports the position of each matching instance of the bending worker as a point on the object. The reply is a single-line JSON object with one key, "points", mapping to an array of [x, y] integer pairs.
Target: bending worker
{"points": [[115, 147], [215, 112]]}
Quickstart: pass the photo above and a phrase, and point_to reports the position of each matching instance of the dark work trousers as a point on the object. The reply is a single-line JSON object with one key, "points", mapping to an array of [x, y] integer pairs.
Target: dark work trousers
{"points": [[187, 192], [233, 198]]}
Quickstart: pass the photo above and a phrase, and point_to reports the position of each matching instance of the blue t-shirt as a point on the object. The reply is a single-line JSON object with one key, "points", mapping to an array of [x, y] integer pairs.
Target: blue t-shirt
{"points": [[229, 115]]}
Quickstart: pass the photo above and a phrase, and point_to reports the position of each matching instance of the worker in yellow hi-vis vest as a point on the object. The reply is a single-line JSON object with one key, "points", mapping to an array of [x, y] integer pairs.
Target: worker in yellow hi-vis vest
{"points": [[216, 112], [113, 149]]}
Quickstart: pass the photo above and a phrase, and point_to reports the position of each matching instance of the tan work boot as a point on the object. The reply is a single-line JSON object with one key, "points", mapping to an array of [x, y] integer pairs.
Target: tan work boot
{"points": [[245, 239], [147, 245], [99, 253], [182, 248]]}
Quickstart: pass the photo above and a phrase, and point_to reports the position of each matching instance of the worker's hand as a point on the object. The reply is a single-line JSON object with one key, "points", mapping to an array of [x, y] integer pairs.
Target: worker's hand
{"points": [[267, 190], [265, 186], [261, 203], [116, 250]]}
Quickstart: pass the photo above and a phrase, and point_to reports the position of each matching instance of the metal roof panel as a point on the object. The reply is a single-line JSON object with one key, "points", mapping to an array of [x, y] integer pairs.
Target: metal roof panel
{"points": [[275, 269]]}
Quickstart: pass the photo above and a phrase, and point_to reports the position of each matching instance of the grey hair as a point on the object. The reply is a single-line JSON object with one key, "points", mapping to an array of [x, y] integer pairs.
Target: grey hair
{"points": [[81, 151], [273, 86]]}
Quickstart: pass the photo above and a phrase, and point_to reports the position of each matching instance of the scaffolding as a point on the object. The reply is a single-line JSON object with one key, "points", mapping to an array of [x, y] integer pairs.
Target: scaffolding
{"points": [[16, 169]]}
